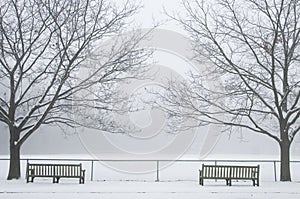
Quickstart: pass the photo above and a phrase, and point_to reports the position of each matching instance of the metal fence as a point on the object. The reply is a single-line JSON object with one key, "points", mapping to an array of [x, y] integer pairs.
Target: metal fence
{"points": [[91, 168]]}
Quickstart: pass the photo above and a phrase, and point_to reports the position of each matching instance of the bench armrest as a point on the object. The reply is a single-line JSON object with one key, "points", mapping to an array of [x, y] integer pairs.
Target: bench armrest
{"points": [[200, 173], [83, 173]]}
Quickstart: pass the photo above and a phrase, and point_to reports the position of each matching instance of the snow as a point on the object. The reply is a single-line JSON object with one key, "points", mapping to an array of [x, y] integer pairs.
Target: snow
{"points": [[177, 180], [137, 189]]}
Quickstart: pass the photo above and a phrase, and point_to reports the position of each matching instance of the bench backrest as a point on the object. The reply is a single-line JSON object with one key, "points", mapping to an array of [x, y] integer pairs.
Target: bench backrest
{"points": [[63, 170], [227, 171]]}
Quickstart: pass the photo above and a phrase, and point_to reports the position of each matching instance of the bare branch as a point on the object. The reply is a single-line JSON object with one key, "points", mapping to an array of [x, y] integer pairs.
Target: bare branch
{"points": [[56, 59], [253, 47]]}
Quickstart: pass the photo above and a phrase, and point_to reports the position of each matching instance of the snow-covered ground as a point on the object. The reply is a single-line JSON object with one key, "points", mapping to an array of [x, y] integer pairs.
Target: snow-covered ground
{"points": [[137, 180], [135, 189]]}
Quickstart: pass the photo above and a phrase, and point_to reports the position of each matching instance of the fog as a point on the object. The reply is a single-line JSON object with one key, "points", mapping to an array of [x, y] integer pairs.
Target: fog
{"points": [[171, 59]]}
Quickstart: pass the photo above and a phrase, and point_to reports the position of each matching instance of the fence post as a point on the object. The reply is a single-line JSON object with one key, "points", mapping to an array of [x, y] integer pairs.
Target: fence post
{"points": [[157, 171], [274, 163], [92, 170], [215, 170]]}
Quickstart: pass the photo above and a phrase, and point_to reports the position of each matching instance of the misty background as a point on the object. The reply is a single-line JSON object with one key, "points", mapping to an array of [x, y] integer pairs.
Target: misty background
{"points": [[54, 140]]}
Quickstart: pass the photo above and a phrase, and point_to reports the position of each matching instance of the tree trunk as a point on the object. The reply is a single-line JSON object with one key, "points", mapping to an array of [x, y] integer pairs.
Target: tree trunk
{"points": [[14, 167], [285, 174]]}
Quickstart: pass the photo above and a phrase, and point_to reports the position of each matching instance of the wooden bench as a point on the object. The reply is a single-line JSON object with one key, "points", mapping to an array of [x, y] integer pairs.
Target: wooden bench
{"points": [[229, 173], [55, 171]]}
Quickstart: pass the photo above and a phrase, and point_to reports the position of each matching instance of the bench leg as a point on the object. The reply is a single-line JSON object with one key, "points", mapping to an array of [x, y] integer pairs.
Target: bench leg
{"points": [[255, 182], [29, 180], [229, 182], [81, 180], [201, 181], [200, 178], [55, 180]]}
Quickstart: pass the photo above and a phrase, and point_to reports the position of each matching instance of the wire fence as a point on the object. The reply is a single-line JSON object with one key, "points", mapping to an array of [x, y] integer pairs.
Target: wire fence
{"points": [[157, 170]]}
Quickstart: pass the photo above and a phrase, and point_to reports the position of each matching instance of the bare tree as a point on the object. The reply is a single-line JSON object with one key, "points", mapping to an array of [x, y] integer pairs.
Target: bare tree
{"points": [[253, 49], [56, 61]]}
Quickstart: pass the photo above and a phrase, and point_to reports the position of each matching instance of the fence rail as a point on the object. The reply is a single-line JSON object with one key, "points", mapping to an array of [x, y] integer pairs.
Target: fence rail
{"points": [[157, 162]]}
